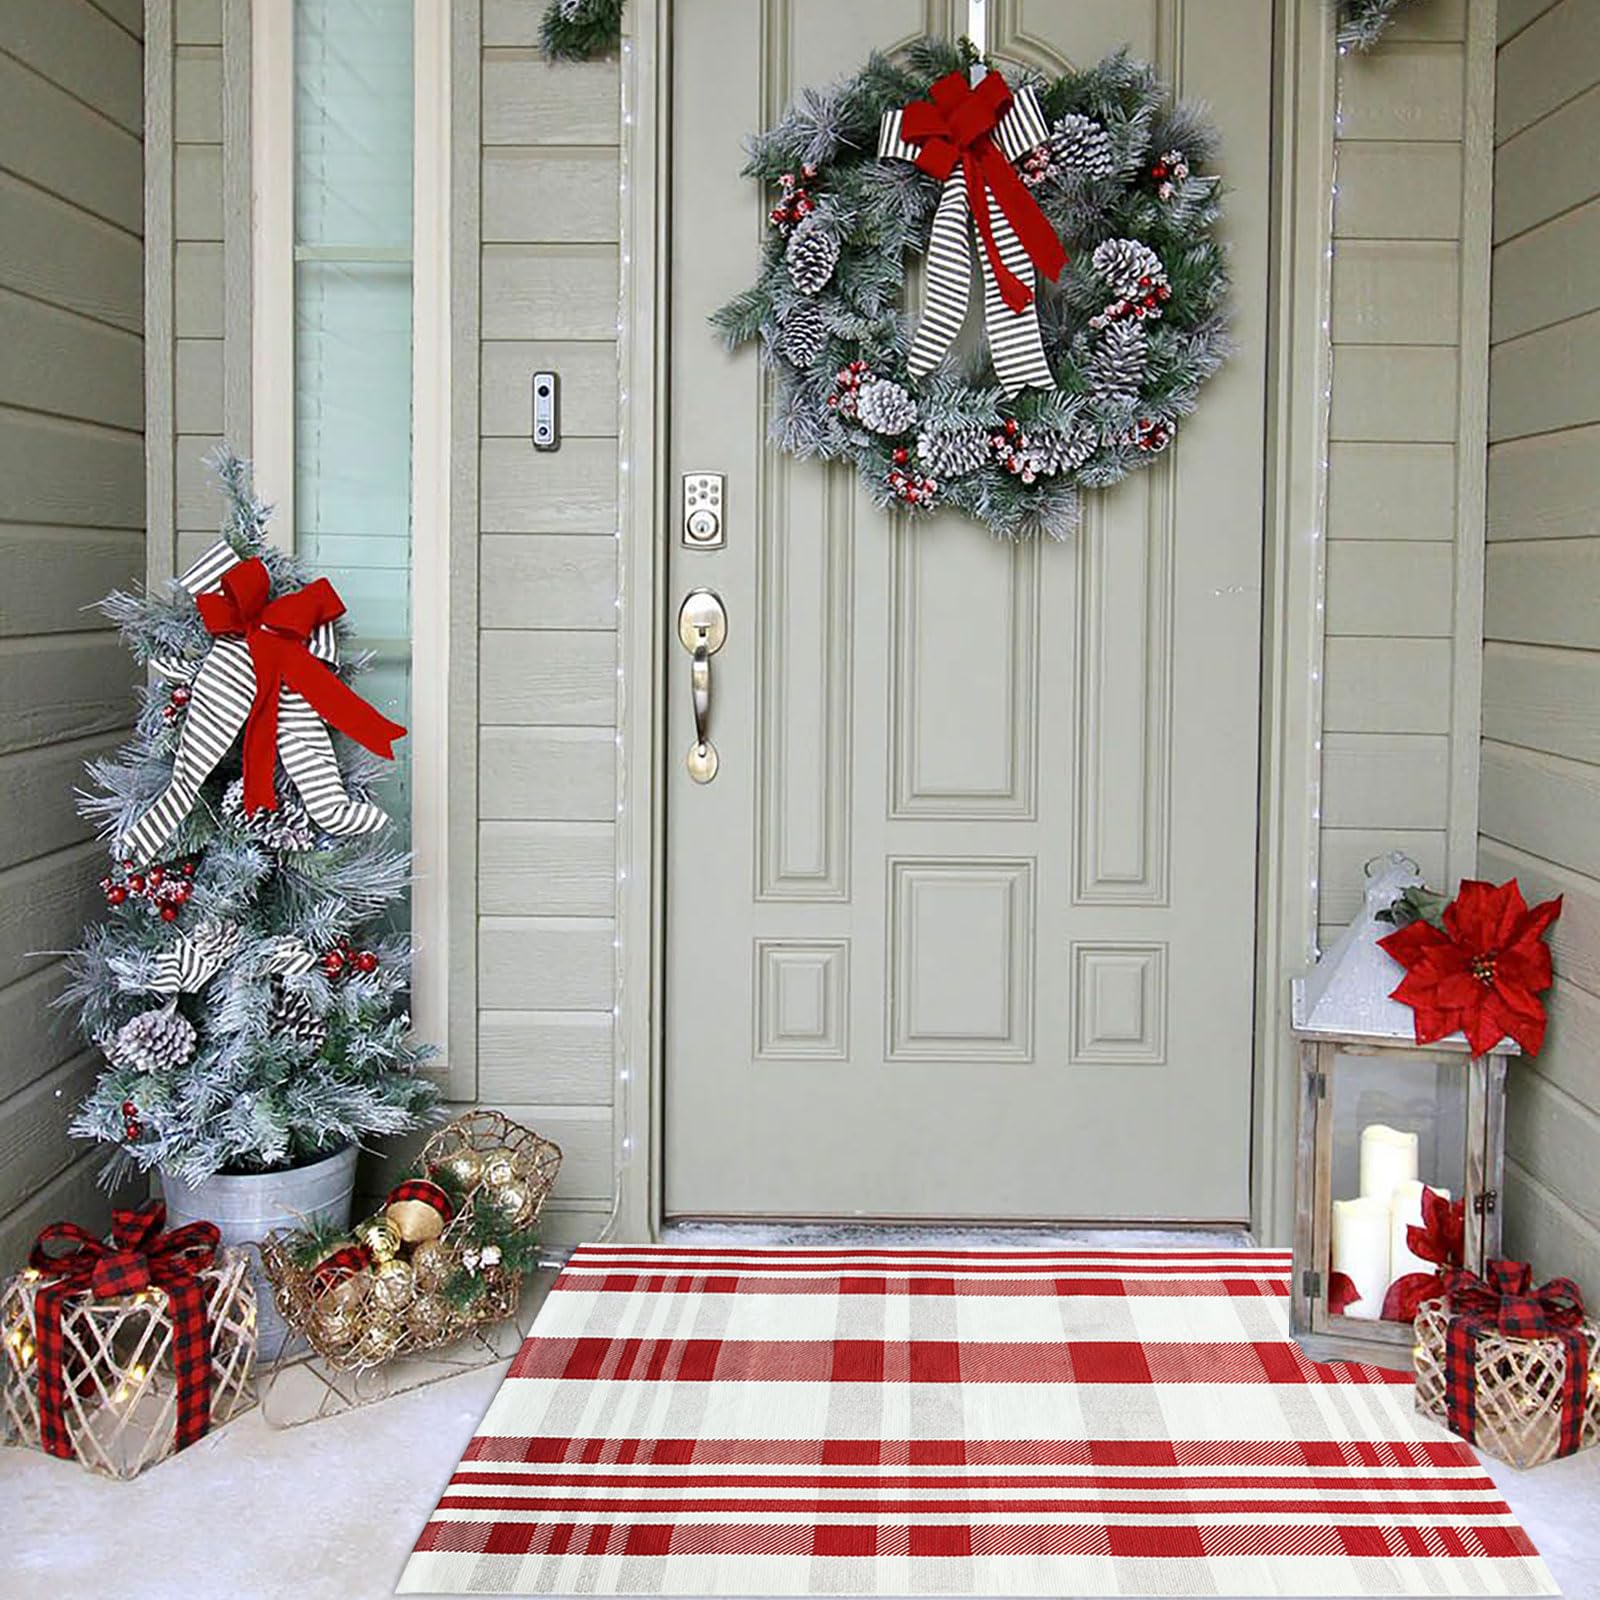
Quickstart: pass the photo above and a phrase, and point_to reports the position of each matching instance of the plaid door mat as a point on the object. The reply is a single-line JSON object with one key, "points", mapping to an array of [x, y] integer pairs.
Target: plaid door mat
{"points": [[883, 1422]]}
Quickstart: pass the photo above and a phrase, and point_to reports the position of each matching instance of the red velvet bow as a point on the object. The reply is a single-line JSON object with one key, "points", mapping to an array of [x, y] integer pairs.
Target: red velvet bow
{"points": [[1506, 1302], [141, 1256], [953, 127], [276, 633]]}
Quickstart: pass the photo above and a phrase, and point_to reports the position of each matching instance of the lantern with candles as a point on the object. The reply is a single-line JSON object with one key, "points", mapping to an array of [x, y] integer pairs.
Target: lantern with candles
{"points": [[1383, 1120]]}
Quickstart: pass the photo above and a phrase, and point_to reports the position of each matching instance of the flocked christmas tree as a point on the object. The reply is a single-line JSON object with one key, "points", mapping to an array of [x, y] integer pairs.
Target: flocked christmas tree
{"points": [[246, 989]]}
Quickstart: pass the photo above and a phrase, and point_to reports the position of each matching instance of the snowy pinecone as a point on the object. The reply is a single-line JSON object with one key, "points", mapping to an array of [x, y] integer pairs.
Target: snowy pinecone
{"points": [[812, 254], [294, 1014], [952, 452], [802, 334], [154, 1041], [1118, 363], [287, 830], [1129, 267], [1082, 148], [1056, 451], [885, 407]]}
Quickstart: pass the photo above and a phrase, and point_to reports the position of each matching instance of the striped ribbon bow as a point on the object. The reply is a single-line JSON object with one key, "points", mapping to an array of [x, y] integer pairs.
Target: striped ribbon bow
{"points": [[269, 672], [1506, 1302], [968, 137], [141, 1256]]}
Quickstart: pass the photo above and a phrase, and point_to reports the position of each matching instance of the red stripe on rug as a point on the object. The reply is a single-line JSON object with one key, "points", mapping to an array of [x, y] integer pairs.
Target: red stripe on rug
{"points": [[1084, 1361], [1059, 1288]]}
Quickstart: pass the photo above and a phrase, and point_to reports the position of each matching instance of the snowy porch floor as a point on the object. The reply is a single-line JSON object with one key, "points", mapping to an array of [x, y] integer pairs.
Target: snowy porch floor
{"points": [[329, 1511]]}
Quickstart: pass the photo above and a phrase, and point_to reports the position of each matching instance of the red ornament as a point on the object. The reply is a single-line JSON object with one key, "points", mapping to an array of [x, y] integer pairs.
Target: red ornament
{"points": [[180, 893], [188, 869], [128, 1109], [131, 1128], [116, 894], [333, 963], [169, 913], [366, 962], [136, 884], [180, 696], [156, 875], [1483, 973], [901, 456]]}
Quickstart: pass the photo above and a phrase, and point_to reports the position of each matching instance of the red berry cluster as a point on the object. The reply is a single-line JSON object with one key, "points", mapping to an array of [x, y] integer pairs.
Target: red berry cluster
{"points": [[794, 204], [909, 485], [847, 387], [1150, 435], [176, 701], [342, 960], [1168, 172], [130, 1120], [165, 890], [1039, 165], [1013, 449], [1147, 303]]}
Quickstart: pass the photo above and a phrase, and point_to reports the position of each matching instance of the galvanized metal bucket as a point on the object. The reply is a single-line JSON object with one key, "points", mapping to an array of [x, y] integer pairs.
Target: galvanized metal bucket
{"points": [[245, 1207]]}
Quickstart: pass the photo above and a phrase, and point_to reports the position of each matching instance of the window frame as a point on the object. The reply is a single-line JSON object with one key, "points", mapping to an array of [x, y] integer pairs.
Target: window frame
{"points": [[272, 389]]}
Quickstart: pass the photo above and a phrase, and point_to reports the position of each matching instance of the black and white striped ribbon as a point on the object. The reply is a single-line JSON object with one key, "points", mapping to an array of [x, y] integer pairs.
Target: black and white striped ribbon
{"points": [[196, 957], [220, 696], [1015, 341]]}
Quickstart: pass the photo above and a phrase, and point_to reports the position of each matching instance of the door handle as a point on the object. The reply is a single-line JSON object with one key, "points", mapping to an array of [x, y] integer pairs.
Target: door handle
{"points": [[702, 631]]}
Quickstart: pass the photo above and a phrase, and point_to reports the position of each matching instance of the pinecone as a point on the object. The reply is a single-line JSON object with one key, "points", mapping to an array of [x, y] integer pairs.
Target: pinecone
{"points": [[294, 1014], [885, 407], [812, 254], [1082, 148], [802, 334], [952, 452], [1118, 363], [1056, 452], [1129, 267], [288, 830], [154, 1041]]}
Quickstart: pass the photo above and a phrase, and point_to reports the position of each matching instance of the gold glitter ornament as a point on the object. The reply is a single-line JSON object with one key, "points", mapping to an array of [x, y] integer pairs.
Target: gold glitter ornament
{"points": [[379, 1338], [334, 1323], [393, 1284], [428, 1316], [430, 1264], [463, 1167], [380, 1237], [512, 1200], [499, 1168]]}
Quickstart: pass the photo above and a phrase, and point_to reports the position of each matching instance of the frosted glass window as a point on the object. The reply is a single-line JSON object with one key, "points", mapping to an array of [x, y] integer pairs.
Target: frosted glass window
{"points": [[352, 250]]}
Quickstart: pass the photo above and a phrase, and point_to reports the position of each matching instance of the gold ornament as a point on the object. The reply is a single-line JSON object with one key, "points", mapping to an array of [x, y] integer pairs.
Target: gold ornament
{"points": [[414, 1220], [463, 1167], [380, 1237], [499, 1168], [334, 1324], [378, 1338], [348, 1293], [430, 1262], [428, 1316], [393, 1284], [512, 1200]]}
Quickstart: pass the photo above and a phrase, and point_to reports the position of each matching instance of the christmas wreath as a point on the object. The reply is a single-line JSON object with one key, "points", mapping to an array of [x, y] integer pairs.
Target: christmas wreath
{"points": [[1083, 199]]}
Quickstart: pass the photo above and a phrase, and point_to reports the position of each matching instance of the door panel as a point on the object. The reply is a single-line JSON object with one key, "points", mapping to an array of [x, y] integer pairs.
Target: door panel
{"points": [[964, 926]]}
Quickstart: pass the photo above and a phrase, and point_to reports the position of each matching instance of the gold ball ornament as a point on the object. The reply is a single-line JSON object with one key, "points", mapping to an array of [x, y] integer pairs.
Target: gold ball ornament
{"points": [[463, 1168], [381, 1238], [379, 1338], [414, 1220], [393, 1285], [428, 1316], [430, 1264], [347, 1294], [334, 1325], [514, 1201], [499, 1168]]}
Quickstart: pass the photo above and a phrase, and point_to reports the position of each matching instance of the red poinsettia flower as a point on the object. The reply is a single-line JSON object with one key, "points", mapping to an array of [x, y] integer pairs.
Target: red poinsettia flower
{"points": [[1483, 972], [1342, 1292], [1441, 1239]]}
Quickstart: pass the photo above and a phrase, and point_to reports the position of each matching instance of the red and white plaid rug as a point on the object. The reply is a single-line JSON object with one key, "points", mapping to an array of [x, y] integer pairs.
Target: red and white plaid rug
{"points": [[907, 1422]]}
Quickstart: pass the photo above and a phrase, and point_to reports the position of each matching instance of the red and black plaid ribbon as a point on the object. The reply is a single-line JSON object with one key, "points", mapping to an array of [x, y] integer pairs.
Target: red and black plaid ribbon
{"points": [[140, 1256], [1506, 1302], [428, 1193], [338, 1266]]}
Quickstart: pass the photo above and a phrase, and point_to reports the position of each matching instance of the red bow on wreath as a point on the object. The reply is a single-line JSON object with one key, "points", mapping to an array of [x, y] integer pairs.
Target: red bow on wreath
{"points": [[141, 1256], [277, 633], [1441, 1240], [953, 127], [1506, 1302], [1482, 972]]}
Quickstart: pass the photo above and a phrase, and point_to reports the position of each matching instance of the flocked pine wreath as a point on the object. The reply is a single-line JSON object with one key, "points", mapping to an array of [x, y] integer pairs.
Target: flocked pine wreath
{"points": [[1132, 328]]}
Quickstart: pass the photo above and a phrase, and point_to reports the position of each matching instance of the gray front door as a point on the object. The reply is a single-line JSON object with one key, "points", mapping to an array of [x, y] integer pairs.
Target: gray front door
{"points": [[964, 926]]}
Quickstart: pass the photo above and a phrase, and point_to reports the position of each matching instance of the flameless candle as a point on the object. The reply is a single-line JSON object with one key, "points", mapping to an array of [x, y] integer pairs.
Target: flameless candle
{"points": [[1361, 1252], [1388, 1159]]}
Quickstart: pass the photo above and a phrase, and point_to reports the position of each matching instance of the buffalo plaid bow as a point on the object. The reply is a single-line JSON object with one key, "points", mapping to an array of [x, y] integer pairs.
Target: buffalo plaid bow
{"points": [[140, 1256], [1507, 1303]]}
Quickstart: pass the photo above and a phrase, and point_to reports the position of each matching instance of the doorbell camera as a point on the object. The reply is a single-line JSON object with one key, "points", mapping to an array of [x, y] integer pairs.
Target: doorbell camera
{"points": [[546, 411]]}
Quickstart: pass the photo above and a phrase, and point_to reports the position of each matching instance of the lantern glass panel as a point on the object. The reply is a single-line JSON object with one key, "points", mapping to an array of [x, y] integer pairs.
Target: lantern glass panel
{"points": [[1394, 1121]]}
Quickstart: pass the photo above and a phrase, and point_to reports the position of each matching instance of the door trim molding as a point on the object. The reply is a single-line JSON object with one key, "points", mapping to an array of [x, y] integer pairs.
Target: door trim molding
{"points": [[1296, 425]]}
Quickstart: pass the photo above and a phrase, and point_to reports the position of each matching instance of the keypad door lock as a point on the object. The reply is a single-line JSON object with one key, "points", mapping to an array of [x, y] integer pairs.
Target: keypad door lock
{"points": [[704, 494]]}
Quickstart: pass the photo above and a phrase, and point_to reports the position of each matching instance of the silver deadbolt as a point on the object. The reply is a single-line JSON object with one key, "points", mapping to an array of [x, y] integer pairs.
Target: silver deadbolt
{"points": [[702, 631]]}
